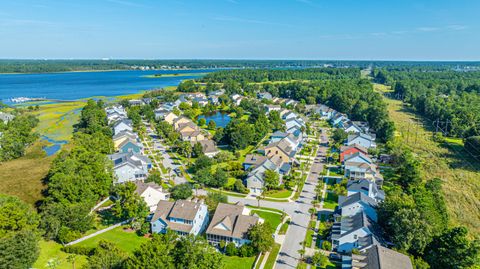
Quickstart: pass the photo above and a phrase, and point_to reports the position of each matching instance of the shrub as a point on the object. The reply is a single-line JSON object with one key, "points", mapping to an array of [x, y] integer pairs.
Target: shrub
{"points": [[326, 245], [246, 251], [231, 249], [66, 235], [80, 250]]}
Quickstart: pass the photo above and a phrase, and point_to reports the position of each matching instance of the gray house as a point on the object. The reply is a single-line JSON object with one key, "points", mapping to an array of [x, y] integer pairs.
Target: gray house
{"points": [[378, 257]]}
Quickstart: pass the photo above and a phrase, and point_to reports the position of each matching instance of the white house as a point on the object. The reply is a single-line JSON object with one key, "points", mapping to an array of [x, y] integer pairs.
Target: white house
{"points": [[367, 187], [356, 203], [122, 125], [183, 217], [362, 139], [151, 193]]}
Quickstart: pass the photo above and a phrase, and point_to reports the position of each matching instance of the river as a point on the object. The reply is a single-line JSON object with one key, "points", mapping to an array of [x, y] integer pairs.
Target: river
{"points": [[79, 85]]}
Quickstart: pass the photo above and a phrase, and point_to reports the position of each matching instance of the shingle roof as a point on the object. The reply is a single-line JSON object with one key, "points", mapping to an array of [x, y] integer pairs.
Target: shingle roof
{"points": [[229, 220], [358, 197], [254, 159], [379, 257], [141, 187], [180, 209]]}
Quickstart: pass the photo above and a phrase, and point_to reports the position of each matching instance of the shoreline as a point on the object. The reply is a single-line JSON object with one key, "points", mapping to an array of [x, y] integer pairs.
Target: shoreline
{"points": [[104, 70]]}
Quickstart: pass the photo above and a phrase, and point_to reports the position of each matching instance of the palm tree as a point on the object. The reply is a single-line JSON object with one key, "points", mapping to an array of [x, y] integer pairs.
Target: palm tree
{"points": [[169, 169], [196, 186], [302, 253], [258, 200], [312, 212]]}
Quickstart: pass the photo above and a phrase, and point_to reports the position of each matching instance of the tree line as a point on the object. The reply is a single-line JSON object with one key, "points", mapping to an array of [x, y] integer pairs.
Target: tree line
{"points": [[78, 178], [16, 135]]}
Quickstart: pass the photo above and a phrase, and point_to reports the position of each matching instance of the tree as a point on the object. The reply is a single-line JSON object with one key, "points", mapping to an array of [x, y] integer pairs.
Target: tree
{"points": [[276, 121], [106, 256], [183, 148], [156, 253], [319, 259], [472, 146], [181, 191], [453, 249], [202, 162], [212, 125], [312, 212], [261, 236], [18, 233], [219, 179], [409, 230], [129, 204], [213, 199], [339, 135], [195, 252], [197, 149], [271, 178], [239, 134], [202, 122], [231, 249]]}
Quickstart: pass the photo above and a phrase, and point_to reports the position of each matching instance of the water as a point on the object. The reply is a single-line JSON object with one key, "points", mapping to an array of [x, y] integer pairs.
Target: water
{"points": [[56, 145], [221, 119], [78, 85]]}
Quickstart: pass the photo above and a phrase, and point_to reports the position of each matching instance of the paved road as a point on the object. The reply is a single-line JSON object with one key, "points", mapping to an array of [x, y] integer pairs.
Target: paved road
{"points": [[298, 211]]}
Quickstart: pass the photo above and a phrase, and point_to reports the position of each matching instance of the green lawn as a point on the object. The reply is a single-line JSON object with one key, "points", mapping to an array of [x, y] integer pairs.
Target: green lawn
{"points": [[273, 218], [234, 262], [302, 265], [284, 228], [279, 194], [272, 257], [310, 233], [51, 250], [230, 193], [331, 200], [127, 241]]}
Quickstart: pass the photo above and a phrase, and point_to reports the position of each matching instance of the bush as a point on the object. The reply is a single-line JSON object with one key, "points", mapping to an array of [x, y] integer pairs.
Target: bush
{"points": [[144, 229], [80, 250], [239, 187], [66, 235], [326, 245], [246, 251], [231, 249]]}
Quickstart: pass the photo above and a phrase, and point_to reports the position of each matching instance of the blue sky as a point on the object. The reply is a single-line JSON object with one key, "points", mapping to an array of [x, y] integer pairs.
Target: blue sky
{"points": [[241, 29]]}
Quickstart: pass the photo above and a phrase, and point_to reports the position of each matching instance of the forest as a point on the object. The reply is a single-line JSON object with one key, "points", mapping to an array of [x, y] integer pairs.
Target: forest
{"points": [[16, 135], [448, 99]]}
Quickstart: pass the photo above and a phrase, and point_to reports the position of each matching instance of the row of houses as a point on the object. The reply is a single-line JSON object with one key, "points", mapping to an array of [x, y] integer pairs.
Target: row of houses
{"points": [[230, 222], [190, 132], [278, 155], [355, 219], [129, 163]]}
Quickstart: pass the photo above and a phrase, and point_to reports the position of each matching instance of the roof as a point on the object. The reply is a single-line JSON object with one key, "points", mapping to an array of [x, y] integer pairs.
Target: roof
{"points": [[279, 134], [123, 133], [229, 221], [124, 121], [379, 257], [360, 135], [141, 187], [180, 209], [208, 146], [254, 159], [358, 197], [356, 146], [283, 145], [358, 154]]}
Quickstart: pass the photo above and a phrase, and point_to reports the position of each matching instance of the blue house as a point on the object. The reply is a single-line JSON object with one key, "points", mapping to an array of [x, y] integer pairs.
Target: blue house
{"points": [[181, 216], [130, 145]]}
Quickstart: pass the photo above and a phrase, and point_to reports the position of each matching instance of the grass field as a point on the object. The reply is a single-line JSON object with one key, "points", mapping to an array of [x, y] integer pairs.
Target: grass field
{"points": [[447, 161], [331, 200], [273, 218], [234, 262], [284, 228], [51, 250], [23, 177], [125, 240], [272, 257], [310, 234], [279, 194]]}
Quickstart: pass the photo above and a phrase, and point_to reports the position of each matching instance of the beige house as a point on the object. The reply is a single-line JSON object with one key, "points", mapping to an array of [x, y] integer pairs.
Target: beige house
{"points": [[178, 121], [192, 136], [281, 149], [123, 136], [170, 118]]}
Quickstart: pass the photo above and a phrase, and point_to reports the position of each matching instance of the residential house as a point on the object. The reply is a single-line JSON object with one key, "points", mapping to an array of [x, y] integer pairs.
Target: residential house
{"points": [[122, 125], [130, 166], [270, 108], [135, 102], [179, 120], [357, 157], [255, 178], [237, 99], [264, 95], [338, 118], [231, 224], [283, 149], [181, 216], [277, 136], [122, 136], [348, 150], [356, 203], [160, 113], [377, 257], [192, 136], [253, 160], [362, 139], [208, 147], [291, 103], [367, 187], [355, 232], [202, 101], [170, 118], [151, 193], [6, 117], [360, 170], [351, 127], [130, 145], [294, 123]]}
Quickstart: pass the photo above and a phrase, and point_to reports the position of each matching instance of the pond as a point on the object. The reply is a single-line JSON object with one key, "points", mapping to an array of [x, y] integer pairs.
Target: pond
{"points": [[220, 118]]}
